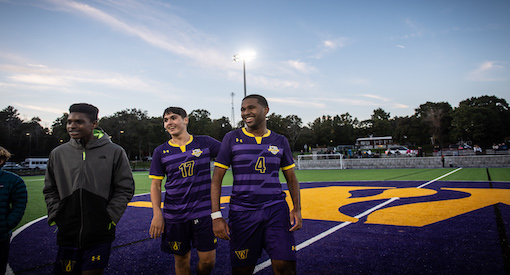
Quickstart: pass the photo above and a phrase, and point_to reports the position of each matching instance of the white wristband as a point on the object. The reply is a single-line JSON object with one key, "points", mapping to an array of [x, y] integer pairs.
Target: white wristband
{"points": [[216, 215]]}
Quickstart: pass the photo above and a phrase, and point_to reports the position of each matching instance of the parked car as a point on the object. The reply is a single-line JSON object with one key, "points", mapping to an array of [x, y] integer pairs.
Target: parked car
{"points": [[11, 166], [399, 150], [459, 146]]}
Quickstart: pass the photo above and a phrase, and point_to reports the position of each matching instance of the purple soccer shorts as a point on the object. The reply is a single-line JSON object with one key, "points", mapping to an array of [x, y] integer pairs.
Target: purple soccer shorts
{"points": [[178, 238], [268, 229], [71, 260]]}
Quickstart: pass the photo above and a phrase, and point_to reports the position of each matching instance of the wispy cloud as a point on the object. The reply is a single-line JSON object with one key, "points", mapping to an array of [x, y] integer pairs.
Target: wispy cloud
{"points": [[296, 102], [301, 66], [169, 33], [375, 97], [400, 106], [39, 108], [487, 71], [42, 77], [330, 45]]}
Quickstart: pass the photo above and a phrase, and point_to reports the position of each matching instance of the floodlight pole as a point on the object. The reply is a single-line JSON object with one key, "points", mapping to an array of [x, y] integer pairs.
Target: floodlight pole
{"points": [[244, 73], [237, 57]]}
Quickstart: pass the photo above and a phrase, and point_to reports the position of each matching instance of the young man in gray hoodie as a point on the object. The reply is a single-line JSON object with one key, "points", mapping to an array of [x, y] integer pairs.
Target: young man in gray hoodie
{"points": [[87, 187]]}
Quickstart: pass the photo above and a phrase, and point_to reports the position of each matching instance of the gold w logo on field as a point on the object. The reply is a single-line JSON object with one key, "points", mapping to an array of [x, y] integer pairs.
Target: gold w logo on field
{"points": [[175, 246], [242, 254]]}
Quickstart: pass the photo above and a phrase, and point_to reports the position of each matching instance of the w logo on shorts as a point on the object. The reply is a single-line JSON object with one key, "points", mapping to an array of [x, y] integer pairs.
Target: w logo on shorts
{"points": [[67, 265], [242, 254], [175, 246]]}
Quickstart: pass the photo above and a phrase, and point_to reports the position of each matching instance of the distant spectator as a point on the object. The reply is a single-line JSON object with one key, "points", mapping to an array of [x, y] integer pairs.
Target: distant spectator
{"points": [[13, 201], [477, 149]]}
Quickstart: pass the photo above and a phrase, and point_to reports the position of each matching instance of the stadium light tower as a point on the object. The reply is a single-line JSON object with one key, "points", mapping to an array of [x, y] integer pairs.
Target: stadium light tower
{"points": [[244, 57]]}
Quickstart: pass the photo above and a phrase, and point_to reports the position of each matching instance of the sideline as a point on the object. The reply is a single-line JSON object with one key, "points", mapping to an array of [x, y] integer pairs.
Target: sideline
{"points": [[324, 234]]}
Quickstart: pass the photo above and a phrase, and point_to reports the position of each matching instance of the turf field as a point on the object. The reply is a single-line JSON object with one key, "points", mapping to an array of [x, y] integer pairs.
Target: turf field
{"points": [[396, 221]]}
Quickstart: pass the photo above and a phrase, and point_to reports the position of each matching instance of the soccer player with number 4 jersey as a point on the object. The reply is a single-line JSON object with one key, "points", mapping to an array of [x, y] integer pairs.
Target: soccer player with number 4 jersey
{"points": [[185, 219], [259, 217]]}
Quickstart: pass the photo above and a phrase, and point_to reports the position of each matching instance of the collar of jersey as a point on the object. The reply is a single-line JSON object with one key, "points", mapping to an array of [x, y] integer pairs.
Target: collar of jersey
{"points": [[183, 147], [257, 139]]}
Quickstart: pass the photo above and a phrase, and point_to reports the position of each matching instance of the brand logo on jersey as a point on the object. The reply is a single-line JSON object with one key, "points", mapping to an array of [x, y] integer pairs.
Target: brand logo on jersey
{"points": [[96, 258], [67, 265], [166, 151], [175, 246], [293, 248], [238, 140], [273, 149], [242, 254], [197, 153]]}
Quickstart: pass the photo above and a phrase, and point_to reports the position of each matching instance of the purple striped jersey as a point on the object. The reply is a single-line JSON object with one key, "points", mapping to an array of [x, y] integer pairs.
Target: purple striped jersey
{"points": [[188, 177], [256, 162]]}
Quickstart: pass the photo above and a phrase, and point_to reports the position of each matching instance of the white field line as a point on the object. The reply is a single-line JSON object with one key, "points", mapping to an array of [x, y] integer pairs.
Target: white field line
{"points": [[445, 175], [324, 234]]}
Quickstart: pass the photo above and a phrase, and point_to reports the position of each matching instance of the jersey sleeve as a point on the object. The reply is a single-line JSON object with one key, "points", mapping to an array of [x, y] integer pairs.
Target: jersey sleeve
{"points": [[156, 170], [287, 160], [224, 158]]}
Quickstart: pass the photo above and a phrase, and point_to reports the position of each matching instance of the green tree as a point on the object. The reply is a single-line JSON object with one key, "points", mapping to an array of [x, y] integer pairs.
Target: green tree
{"points": [[128, 128], [276, 124], [293, 128], [199, 122], [436, 117], [59, 130], [220, 127], [483, 120], [381, 125]]}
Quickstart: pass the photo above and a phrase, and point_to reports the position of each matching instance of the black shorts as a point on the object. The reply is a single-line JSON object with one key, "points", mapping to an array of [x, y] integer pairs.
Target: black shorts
{"points": [[178, 238], [71, 260]]}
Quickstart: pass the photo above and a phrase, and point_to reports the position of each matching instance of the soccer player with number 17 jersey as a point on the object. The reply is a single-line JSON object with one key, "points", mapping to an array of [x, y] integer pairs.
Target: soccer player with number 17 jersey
{"points": [[259, 217], [185, 220]]}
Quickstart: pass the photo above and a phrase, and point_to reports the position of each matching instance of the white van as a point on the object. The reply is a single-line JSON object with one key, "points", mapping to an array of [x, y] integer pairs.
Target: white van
{"points": [[36, 163]]}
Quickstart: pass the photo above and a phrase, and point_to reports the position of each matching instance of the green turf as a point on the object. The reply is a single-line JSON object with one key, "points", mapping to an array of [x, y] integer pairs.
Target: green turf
{"points": [[36, 206]]}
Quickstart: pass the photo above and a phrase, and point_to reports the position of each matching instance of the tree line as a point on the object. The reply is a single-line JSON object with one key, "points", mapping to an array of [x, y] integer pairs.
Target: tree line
{"points": [[480, 120]]}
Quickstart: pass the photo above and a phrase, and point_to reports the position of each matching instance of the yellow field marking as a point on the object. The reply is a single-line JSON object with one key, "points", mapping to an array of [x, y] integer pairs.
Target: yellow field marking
{"points": [[322, 203], [425, 213]]}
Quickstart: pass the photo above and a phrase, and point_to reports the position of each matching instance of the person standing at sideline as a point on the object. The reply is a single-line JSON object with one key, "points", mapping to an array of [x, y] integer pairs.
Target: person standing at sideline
{"points": [[87, 187], [13, 201], [185, 221], [259, 216]]}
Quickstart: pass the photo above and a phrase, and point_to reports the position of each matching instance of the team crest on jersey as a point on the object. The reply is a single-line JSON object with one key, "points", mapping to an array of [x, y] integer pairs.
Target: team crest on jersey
{"points": [[242, 254], [197, 152], [273, 149], [175, 246]]}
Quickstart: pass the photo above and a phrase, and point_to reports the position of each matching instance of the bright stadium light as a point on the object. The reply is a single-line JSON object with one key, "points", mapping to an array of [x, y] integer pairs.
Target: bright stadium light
{"points": [[244, 56]]}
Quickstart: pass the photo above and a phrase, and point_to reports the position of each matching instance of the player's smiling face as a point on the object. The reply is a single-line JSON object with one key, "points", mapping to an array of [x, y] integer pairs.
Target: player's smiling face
{"points": [[79, 126], [253, 114], [175, 124]]}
